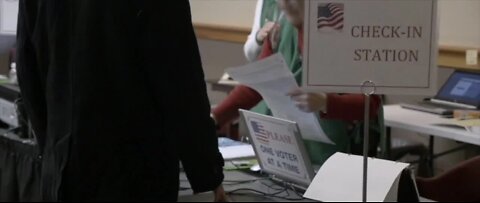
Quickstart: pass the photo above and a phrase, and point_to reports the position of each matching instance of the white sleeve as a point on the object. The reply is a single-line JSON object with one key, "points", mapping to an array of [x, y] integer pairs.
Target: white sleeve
{"points": [[251, 47]]}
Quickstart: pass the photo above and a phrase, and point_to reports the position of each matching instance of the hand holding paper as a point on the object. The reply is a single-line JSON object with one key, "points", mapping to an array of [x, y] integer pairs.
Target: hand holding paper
{"points": [[273, 80], [309, 102]]}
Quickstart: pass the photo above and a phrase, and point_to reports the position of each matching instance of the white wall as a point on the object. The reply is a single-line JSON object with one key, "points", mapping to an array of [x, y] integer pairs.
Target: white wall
{"points": [[238, 13], [8, 16], [216, 57], [460, 22], [459, 19]]}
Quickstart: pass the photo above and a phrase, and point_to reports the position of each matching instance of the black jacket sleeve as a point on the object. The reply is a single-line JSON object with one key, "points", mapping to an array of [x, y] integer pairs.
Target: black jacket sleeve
{"points": [[177, 79], [31, 74]]}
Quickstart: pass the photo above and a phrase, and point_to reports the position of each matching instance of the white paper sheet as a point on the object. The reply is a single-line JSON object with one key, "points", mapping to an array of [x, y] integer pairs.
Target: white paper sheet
{"points": [[273, 80], [341, 179]]}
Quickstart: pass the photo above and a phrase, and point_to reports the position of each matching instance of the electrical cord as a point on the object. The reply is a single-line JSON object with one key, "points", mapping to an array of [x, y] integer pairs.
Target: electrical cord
{"points": [[226, 183], [235, 182], [278, 189], [184, 188], [272, 185], [241, 191]]}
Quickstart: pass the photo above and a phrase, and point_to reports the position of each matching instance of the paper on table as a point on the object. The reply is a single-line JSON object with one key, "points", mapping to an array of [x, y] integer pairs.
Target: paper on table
{"points": [[475, 129], [468, 122], [237, 152], [273, 80], [341, 179], [471, 125]]}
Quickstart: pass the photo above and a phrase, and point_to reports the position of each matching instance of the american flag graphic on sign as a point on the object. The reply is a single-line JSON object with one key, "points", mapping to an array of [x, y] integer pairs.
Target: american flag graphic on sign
{"points": [[260, 132], [330, 16]]}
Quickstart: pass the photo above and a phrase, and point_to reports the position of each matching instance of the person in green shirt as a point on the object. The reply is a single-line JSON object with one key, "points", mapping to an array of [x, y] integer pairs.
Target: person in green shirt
{"points": [[340, 115]]}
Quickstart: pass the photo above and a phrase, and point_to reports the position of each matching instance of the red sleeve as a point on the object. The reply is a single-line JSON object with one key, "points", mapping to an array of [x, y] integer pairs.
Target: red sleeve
{"points": [[350, 107], [266, 50], [242, 97]]}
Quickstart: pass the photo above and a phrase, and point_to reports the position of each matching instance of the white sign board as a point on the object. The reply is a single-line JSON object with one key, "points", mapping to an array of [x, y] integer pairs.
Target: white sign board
{"points": [[8, 16], [340, 179], [279, 148], [390, 42]]}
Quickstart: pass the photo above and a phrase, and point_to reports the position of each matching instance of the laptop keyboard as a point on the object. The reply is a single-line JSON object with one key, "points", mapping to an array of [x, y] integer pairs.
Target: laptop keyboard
{"points": [[428, 104], [424, 107]]}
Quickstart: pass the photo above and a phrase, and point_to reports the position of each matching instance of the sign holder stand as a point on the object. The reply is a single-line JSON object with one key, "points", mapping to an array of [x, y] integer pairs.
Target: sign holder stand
{"points": [[368, 89]]}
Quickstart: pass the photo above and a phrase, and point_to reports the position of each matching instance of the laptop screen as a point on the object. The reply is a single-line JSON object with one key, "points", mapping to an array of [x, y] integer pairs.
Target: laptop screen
{"points": [[462, 87]]}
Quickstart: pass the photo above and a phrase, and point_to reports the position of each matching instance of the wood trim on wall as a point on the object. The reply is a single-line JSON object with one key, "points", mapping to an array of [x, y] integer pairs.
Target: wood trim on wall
{"points": [[221, 33], [455, 57], [449, 56]]}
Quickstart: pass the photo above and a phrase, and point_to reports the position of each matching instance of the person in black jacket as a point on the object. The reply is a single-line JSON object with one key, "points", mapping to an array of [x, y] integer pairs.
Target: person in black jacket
{"points": [[116, 95]]}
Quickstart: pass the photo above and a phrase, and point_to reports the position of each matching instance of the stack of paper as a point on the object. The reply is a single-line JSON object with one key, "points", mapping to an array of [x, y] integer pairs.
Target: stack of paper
{"points": [[466, 114], [234, 150], [471, 125], [237, 152]]}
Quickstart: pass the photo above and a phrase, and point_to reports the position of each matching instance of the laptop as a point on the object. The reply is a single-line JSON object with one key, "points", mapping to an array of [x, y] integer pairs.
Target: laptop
{"points": [[279, 148], [461, 91]]}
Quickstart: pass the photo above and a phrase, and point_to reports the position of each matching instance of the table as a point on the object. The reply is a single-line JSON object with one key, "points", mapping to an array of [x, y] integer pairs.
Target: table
{"points": [[221, 87], [398, 117], [424, 123], [261, 183], [235, 180]]}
